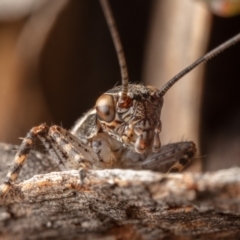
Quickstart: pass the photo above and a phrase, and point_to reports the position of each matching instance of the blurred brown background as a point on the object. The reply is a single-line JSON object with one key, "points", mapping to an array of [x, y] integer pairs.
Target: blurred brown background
{"points": [[57, 57]]}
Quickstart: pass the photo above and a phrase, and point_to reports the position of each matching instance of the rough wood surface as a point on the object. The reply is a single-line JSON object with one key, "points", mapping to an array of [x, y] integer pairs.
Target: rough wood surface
{"points": [[118, 204]]}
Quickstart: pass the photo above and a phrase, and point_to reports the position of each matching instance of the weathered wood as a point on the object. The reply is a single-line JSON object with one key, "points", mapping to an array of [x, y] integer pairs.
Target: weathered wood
{"points": [[119, 204]]}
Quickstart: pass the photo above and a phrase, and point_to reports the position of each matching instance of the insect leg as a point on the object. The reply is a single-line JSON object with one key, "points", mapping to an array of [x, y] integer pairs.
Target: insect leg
{"points": [[21, 156], [63, 146], [66, 158], [53, 151], [184, 159], [74, 153], [172, 157]]}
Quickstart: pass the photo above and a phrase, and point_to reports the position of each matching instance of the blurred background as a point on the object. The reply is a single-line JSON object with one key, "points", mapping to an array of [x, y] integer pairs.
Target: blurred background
{"points": [[57, 57]]}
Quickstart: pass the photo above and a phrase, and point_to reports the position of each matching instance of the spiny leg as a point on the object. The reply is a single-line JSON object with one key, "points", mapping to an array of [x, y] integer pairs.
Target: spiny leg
{"points": [[68, 150], [21, 156], [63, 146], [172, 157], [184, 160], [62, 155], [52, 151], [73, 153]]}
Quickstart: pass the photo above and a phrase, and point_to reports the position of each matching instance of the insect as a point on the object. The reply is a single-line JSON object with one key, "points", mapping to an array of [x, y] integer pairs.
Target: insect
{"points": [[121, 131]]}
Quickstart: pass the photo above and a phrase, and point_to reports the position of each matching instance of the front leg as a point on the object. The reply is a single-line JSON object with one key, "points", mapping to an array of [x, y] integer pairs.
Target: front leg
{"points": [[20, 157], [172, 157], [72, 151], [62, 145]]}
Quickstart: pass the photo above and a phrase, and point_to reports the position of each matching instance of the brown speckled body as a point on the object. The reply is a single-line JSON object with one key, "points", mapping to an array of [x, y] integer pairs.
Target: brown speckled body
{"points": [[121, 131], [95, 144]]}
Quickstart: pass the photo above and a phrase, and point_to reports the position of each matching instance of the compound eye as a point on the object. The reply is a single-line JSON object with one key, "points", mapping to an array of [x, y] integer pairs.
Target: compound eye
{"points": [[105, 107]]}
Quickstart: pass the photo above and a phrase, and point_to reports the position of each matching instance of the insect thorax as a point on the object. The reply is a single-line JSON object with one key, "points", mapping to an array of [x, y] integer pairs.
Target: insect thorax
{"points": [[137, 125]]}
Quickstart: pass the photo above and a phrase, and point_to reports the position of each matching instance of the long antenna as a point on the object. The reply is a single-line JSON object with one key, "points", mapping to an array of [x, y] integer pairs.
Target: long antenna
{"points": [[118, 46], [203, 59]]}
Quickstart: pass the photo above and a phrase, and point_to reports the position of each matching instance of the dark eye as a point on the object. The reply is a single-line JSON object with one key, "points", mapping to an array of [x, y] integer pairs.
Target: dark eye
{"points": [[105, 107]]}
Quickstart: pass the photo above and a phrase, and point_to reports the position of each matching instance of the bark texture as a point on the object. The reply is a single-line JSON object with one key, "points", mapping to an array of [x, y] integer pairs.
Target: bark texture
{"points": [[118, 204]]}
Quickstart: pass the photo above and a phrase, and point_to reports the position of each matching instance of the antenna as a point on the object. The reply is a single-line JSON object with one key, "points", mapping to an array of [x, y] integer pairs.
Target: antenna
{"points": [[118, 46], [203, 59]]}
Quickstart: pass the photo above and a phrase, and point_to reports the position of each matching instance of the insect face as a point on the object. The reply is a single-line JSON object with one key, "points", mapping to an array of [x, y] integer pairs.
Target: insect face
{"points": [[136, 121]]}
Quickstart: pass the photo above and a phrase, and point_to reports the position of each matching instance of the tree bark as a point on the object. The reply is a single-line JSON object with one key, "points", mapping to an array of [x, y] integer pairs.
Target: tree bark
{"points": [[118, 204]]}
